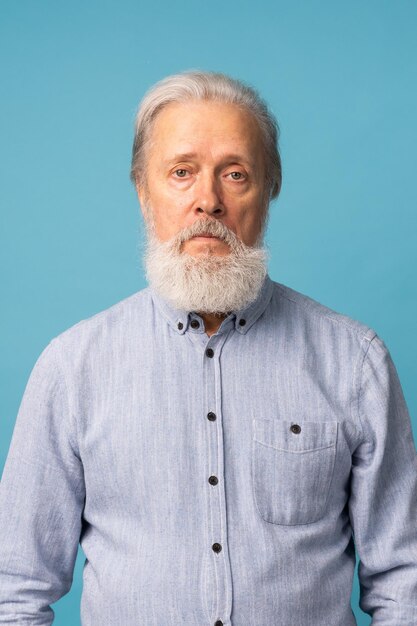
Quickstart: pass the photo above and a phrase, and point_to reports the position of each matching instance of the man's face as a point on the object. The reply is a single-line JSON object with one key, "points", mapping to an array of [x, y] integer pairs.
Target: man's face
{"points": [[205, 160]]}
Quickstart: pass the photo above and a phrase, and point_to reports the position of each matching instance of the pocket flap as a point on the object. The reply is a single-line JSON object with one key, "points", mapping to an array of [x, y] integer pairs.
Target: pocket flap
{"points": [[311, 436]]}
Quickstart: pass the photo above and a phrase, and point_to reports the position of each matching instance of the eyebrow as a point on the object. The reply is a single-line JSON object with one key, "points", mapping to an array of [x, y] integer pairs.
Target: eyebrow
{"points": [[188, 156], [184, 156]]}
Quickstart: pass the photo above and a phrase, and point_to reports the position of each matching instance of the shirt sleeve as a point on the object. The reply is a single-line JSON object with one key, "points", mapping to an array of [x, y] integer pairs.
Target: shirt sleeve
{"points": [[41, 499], [383, 498]]}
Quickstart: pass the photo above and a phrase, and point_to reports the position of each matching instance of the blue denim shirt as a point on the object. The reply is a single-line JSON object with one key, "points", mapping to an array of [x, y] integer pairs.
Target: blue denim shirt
{"points": [[212, 480]]}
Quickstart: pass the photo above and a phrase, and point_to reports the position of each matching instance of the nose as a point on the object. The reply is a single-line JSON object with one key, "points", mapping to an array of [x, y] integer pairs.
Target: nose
{"points": [[208, 199]]}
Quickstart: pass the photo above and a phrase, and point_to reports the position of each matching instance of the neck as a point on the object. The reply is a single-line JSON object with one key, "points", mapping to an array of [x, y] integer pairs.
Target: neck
{"points": [[212, 321]]}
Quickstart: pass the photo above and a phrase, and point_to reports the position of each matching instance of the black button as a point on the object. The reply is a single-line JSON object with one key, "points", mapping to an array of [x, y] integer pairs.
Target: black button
{"points": [[242, 322], [195, 324], [210, 353], [216, 547], [218, 622], [211, 416], [295, 428], [180, 325], [213, 480]]}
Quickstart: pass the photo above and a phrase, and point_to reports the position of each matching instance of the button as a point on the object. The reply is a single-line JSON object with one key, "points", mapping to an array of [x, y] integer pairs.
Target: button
{"points": [[242, 322], [218, 622], [295, 428], [210, 353], [211, 416], [195, 324], [216, 547], [213, 480], [180, 325]]}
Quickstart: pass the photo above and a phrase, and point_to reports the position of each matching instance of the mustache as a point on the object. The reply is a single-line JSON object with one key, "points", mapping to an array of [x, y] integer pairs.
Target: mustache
{"points": [[207, 227]]}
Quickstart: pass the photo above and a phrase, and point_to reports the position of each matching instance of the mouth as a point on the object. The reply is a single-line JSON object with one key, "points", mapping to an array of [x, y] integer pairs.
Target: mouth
{"points": [[204, 236]]}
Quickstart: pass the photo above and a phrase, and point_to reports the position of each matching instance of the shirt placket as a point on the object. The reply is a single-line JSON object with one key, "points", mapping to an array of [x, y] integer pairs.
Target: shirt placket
{"points": [[219, 572]]}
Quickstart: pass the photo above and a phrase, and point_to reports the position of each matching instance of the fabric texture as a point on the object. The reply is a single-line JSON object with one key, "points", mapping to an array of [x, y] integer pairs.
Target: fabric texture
{"points": [[212, 480]]}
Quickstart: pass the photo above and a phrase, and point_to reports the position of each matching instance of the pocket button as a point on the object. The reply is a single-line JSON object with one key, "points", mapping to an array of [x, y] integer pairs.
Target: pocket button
{"points": [[295, 428]]}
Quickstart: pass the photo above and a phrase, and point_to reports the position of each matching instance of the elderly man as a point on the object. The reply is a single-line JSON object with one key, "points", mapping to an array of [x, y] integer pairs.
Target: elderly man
{"points": [[218, 443]]}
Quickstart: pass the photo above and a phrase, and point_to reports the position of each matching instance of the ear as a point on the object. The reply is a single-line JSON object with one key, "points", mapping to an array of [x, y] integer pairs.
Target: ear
{"points": [[142, 199]]}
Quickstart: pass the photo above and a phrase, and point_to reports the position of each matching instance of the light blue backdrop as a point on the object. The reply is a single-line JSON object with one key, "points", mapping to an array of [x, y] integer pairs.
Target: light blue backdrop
{"points": [[342, 80]]}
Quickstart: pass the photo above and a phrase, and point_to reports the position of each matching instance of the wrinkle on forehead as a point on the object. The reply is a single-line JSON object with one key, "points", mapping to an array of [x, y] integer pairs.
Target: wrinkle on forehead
{"points": [[183, 126]]}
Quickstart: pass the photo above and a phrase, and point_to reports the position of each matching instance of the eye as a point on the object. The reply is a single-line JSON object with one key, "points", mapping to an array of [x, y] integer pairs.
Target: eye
{"points": [[180, 173], [236, 175]]}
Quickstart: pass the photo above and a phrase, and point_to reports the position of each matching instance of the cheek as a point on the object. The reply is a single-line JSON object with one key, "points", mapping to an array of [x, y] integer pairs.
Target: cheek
{"points": [[248, 224], [169, 203], [169, 217]]}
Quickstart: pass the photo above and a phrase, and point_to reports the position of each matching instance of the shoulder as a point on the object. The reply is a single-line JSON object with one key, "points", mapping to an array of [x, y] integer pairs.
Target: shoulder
{"points": [[307, 311], [328, 338], [112, 326]]}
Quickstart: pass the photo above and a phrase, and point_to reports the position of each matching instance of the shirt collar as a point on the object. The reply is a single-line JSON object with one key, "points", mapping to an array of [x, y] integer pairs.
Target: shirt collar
{"points": [[242, 319]]}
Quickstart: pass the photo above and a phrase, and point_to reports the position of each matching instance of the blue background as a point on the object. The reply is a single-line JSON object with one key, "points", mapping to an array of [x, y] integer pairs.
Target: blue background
{"points": [[342, 80]]}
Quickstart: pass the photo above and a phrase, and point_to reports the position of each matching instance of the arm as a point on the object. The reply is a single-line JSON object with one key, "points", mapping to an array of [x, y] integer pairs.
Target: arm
{"points": [[41, 500], [383, 501]]}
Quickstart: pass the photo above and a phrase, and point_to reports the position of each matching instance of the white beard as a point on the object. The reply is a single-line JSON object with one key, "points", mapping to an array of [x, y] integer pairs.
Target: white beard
{"points": [[206, 283]]}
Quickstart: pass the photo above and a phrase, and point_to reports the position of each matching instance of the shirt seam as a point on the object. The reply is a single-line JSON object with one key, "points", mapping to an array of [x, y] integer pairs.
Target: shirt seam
{"points": [[361, 379], [71, 416]]}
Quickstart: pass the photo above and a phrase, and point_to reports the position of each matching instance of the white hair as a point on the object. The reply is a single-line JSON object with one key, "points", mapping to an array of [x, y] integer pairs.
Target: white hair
{"points": [[198, 85], [206, 283]]}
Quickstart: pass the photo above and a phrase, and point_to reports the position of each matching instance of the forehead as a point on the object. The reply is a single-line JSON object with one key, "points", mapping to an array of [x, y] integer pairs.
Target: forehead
{"points": [[206, 126]]}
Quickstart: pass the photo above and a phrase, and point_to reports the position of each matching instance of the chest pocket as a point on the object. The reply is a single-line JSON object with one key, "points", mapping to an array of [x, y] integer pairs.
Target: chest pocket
{"points": [[292, 469]]}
